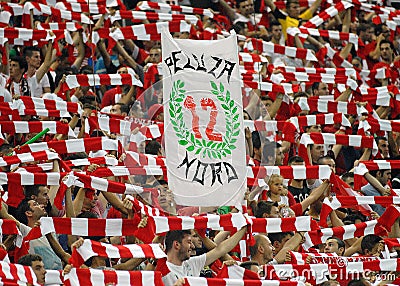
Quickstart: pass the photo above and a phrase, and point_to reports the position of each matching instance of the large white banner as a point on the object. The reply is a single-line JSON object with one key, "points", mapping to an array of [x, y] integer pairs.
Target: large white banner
{"points": [[204, 133]]}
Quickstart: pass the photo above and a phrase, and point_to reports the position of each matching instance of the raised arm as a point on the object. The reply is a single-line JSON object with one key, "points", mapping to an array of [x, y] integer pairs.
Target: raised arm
{"points": [[225, 246]]}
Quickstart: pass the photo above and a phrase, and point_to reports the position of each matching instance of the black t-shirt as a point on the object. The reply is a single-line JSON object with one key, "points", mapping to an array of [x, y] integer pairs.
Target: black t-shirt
{"points": [[299, 194]]}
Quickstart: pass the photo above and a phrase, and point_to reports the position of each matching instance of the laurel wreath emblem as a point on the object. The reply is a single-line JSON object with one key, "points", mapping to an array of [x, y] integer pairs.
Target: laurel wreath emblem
{"points": [[209, 148]]}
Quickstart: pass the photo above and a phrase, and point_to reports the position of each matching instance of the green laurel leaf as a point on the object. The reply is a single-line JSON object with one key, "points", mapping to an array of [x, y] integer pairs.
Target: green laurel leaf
{"points": [[183, 142], [232, 147], [224, 106], [221, 87], [227, 96], [214, 92], [236, 133], [214, 85], [190, 148], [236, 126], [228, 151], [181, 84], [231, 103]]}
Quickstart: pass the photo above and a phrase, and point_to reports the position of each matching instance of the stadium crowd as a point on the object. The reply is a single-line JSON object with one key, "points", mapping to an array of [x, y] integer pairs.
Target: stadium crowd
{"points": [[87, 200]]}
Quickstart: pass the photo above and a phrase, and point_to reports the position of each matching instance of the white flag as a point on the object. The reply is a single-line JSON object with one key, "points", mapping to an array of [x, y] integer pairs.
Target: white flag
{"points": [[204, 133]]}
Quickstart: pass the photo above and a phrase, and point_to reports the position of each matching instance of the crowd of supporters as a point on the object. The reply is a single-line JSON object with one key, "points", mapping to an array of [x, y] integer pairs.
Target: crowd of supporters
{"points": [[320, 104]]}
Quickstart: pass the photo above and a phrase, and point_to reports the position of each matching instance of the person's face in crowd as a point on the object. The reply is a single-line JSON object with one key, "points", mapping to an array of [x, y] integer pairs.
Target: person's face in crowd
{"points": [[294, 10], [16, 71], [266, 248], [322, 89], [279, 156], [356, 64], [116, 109], [276, 32], [34, 60], [329, 162], [354, 25], [165, 198], [332, 246], [276, 186], [370, 34], [196, 239], [43, 196], [386, 32], [122, 70], [383, 147], [317, 151], [275, 213], [246, 8], [349, 181], [155, 55], [279, 244], [40, 271], [185, 248], [386, 52], [385, 177], [267, 103], [181, 35], [376, 251], [314, 128], [36, 210], [137, 110], [90, 200]]}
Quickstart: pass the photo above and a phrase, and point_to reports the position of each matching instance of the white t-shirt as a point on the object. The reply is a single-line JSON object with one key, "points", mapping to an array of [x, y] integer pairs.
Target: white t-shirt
{"points": [[37, 88], [190, 267]]}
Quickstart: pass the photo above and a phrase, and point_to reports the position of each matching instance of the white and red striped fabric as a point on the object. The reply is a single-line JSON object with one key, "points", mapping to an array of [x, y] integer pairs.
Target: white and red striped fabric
{"points": [[327, 14], [275, 225], [58, 14], [69, 26], [78, 277], [270, 49], [233, 221], [333, 71], [326, 78], [73, 81], [334, 35], [92, 248], [83, 227], [323, 119], [343, 232], [28, 157], [251, 58], [380, 95], [26, 102], [107, 160], [285, 88], [18, 274], [147, 5], [25, 178], [353, 201], [326, 106], [365, 166], [73, 145], [342, 139], [153, 16], [55, 127], [92, 8], [144, 32], [22, 35]]}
